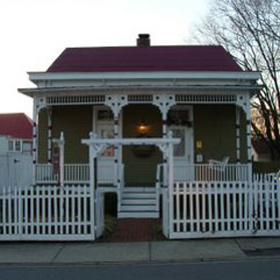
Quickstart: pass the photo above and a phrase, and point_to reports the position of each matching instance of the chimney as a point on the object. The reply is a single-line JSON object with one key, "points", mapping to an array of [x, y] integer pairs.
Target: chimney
{"points": [[143, 40]]}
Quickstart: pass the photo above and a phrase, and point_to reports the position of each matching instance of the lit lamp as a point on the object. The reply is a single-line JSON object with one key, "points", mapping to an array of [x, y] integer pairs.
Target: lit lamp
{"points": [[143, 128]]}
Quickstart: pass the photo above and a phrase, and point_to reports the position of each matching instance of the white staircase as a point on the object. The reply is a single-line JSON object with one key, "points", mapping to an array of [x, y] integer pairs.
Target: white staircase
{"points": [[139, 202]]}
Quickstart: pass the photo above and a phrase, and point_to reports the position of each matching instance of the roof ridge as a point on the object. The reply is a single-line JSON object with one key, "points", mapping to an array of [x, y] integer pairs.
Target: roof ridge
{"points": [[141, 47]]}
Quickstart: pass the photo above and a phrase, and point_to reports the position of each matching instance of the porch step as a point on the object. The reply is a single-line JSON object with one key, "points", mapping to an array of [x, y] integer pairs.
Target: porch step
{"points": [[139, 202]]}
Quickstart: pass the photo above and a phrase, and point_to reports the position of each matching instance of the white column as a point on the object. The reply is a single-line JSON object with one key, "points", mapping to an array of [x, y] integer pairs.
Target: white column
{"points": [[34, 141], [248, 133], [170, 182], [49, 114], [237, 123], [164, 134], [116, 149], [61, 144], [92, 186]]}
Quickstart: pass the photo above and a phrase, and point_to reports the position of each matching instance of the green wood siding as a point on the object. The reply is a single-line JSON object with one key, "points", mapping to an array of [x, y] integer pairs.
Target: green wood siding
{"points": [[141, 171], [76, 123], [215, 126]]}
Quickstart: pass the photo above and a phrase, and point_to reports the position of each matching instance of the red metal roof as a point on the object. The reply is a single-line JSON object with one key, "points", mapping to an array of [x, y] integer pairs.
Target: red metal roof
{"points": [[16, 125], [144, 58]]}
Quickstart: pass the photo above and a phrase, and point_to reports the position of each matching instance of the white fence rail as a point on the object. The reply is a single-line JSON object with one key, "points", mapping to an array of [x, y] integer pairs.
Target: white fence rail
{"points": [[225, 209], [47, 213]]}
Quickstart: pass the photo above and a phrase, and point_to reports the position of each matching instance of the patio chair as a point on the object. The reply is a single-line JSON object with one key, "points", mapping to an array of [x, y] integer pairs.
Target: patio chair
{"points": [[217, 164]]}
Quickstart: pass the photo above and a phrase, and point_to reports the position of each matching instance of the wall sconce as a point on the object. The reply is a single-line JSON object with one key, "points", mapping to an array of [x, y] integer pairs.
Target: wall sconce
{"points": [[143, 128]]}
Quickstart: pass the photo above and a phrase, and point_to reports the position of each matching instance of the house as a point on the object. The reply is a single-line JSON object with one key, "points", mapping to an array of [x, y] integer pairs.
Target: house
{"points": [[198, 92], [15, 149], [15, 133], [136, 120]]}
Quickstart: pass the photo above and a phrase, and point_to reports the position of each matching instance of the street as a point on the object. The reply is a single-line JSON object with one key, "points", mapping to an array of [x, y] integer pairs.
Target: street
{"points": [[268, 269]]}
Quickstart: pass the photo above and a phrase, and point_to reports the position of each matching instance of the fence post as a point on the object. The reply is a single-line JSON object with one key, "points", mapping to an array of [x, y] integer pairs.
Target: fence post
{"points": [[170, 181]]}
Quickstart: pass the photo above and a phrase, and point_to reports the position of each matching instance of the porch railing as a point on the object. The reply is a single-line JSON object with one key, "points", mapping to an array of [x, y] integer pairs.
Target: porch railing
{"points": [[75, 173], [206, 172], [79, 173]]}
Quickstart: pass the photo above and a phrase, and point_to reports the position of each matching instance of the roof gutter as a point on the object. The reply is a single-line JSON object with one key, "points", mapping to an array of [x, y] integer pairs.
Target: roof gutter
{"points": [[36, 77]]}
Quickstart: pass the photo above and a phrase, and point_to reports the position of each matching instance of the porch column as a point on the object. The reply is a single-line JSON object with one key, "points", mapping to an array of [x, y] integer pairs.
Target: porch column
{"points": [[248, 133], [34, 142], [116, 103], [49, 113], [237, 110], [38, 105], [164, 102], [243, 101], [164, 134], [116, 148], [170, 180]]}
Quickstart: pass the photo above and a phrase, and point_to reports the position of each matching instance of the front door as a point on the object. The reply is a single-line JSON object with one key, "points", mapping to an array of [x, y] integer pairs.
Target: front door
{"points": [[104, 128], [183, 152]]}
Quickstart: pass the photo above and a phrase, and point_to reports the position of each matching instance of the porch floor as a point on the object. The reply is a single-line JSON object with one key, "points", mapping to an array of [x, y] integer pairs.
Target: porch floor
{"points": [[135, 230]]}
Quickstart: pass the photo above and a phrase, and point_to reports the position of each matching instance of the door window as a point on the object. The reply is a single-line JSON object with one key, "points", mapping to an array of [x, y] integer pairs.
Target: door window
{"points": [[179, 149], [107, 132]]}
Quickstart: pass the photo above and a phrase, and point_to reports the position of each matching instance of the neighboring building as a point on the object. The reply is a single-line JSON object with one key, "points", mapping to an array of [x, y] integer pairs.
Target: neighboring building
{"points": [[198, 92], [15, 150], [15, 133]]}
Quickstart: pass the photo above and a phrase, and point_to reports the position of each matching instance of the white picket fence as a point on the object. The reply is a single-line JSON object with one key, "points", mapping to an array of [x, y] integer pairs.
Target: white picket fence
{"points": [[190, 210], [224, 209], [47, 213]]}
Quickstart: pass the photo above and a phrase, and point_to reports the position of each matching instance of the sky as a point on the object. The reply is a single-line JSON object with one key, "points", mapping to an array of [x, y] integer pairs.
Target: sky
{"points": [[34, 33]]}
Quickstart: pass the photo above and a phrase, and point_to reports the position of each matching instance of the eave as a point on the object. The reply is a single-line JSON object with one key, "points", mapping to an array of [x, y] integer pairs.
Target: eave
{"points": [[106, 89], [48, 77]]}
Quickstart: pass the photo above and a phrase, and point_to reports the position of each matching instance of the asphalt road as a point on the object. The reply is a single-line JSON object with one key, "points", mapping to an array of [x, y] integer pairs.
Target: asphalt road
{"points": [[268, 269]]}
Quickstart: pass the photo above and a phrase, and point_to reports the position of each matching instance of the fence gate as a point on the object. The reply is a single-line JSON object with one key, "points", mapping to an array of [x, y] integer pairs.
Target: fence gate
{"points": [[225, 209], [47, 213]]}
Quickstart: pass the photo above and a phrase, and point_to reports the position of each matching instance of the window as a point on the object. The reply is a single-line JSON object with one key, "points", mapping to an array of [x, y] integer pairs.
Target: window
{"points": [[26, 147], [105, 115], [17, 146], [107, 133], [179, 149], [11, 145], [178, 117]]}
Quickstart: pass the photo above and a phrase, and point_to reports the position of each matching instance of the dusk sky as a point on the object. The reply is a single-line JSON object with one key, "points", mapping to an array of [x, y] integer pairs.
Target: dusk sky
{"points": [[35, 32]]}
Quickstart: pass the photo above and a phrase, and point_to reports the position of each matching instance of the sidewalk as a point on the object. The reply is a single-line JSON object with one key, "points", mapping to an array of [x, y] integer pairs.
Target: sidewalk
{"points": [[49, 253]]}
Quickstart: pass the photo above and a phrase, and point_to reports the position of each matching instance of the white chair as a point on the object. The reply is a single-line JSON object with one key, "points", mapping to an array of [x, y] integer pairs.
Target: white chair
{"points": [[217, 164]]}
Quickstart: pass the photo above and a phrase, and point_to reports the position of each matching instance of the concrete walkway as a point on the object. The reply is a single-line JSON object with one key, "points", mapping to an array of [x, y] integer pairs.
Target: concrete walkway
{"points": [[49, 253]]}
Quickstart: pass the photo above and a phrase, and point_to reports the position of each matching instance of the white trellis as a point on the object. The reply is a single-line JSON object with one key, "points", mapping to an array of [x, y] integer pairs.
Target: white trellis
{"points": [[97, 146]]}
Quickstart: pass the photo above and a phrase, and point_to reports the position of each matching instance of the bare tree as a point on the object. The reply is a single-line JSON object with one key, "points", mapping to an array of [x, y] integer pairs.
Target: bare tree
{"points": [[250, 31]]}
